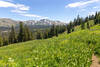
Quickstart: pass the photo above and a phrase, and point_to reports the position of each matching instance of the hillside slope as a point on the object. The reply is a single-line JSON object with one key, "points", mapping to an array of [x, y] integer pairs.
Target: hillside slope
{"points": [[67, 50], [6, 23]]}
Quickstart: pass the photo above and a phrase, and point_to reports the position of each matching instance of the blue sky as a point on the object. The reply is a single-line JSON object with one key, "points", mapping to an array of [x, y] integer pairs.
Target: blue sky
{"points": [[63, 10]]}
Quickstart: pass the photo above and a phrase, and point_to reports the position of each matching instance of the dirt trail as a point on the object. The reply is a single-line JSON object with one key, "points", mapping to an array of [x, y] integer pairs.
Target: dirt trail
{"points": [[95, 61]]}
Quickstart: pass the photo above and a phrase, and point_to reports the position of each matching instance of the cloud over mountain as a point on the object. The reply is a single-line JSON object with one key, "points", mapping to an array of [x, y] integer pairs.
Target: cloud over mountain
{"points": [[81, 3], [21, 9]]}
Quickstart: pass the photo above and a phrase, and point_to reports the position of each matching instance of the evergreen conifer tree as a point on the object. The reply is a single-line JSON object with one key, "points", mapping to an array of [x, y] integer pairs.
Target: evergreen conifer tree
{"points": [[12, 36], [5, 41], [68, 29], [21, 34], [88, 25], [1, 42], [82, 25]]}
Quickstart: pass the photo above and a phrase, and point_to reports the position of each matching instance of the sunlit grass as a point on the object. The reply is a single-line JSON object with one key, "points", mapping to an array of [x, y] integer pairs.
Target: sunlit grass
{"points": [[66, 50]]}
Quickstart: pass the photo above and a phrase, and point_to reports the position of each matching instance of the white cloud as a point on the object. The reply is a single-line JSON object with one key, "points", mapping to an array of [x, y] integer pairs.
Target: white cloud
{"points": [[7, 0], [33, 15], [21, 9], [18, 11], [81, 3], [91, 13], [95, 7], [83, 9], [6, 4]]}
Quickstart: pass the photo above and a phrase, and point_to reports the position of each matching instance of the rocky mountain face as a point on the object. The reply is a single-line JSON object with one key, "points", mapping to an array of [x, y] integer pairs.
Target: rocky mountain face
{"points": [[6, 23], [43, 22]]}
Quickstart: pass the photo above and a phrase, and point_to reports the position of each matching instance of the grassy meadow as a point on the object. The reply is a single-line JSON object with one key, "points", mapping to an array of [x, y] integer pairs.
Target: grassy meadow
{"points": [[66, 50]]}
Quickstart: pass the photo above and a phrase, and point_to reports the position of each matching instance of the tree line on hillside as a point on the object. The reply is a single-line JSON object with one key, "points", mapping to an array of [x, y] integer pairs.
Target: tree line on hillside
{"points": [[84, 22], [25, 34]]}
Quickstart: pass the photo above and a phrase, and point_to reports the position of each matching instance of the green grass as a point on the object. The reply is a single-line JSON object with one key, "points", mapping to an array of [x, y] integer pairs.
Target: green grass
{"points": [[78, 28], [67, 50]]}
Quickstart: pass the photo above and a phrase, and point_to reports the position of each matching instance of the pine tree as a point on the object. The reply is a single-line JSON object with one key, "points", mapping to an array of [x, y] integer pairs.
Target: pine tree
{"points": [[86, 19], [73, 29], [88, 25], [71, 25], [5, 41], [32, 36], [68, 29], [78, 19], [21, 34], [82, 24], [59, 29], [52, 31], [45, 36], [25, 35], [39, 35], [95, 21], [75, 22], [99, 18], [96, 18], [12, 36], [56, 32], [29, 33], [1, 42]]}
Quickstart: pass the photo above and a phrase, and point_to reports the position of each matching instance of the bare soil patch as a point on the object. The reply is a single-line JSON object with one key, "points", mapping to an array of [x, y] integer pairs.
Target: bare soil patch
{"points": [[95, 61]]}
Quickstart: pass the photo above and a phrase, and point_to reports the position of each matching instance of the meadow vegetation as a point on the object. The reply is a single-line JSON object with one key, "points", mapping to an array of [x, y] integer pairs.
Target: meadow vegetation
{"points": [[66, 50], [73, 48]]}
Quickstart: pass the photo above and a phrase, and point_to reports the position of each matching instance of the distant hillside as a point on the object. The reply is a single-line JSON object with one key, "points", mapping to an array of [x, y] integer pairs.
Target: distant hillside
{"points": [[6, 23]]}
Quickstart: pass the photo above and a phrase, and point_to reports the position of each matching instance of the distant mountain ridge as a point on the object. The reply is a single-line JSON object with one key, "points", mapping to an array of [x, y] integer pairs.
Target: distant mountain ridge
{"points": [[6, 23], [44, 22]]}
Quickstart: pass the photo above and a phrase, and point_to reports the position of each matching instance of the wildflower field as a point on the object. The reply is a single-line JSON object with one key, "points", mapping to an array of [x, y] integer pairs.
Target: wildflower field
{"points": [[66, 50]]}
